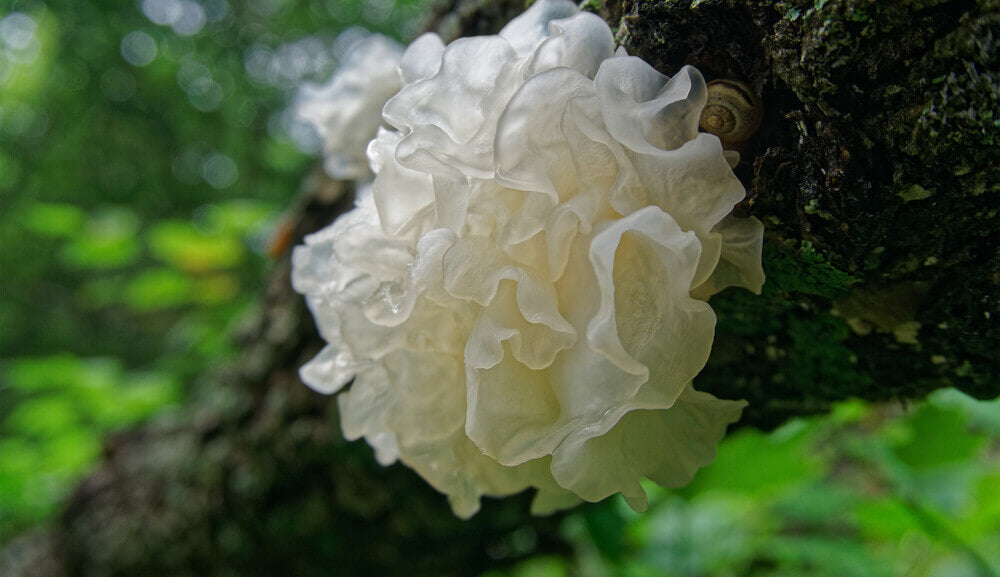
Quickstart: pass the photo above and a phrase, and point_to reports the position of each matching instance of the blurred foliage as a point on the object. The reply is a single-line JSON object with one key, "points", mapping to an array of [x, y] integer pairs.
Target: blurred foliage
{"points": [[144, 158], [867, 491]]}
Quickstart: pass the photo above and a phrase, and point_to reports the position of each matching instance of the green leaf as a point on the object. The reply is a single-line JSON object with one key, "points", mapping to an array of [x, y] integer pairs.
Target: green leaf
{"points": [[138, 396], [44, 417], [982, 517], [53, 219], [65, 456], [829, 556], [983, 416], [18, 460], [101, 252], [108, 241], [751, 462], [158, 289], [936, 437], [235, 217], [821, 503], [60, 372], [188, 249], [19, 466], [887, 519]]}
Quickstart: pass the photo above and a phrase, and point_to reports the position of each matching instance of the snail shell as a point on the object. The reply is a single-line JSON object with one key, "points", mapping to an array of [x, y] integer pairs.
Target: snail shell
{"points": [[733, 112]]}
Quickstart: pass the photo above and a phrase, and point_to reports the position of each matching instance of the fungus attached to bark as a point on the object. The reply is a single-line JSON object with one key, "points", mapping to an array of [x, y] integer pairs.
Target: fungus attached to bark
{"points": [[519, 298]]}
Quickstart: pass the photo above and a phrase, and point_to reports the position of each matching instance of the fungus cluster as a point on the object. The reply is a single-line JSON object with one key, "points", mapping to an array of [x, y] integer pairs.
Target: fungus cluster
{"points": [[519, 298]]}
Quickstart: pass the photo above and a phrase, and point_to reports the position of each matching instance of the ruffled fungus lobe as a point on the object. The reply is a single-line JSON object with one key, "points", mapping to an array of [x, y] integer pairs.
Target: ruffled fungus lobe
{"points": [[519, 299], [348, 110]]}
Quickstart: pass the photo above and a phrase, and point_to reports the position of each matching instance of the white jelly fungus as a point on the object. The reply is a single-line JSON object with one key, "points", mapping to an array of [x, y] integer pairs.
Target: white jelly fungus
{"points": [[347, 111], [519, 299]]}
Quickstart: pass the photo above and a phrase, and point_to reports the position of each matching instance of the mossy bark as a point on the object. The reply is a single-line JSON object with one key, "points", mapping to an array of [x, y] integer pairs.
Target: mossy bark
{"points": [[876, 176]]}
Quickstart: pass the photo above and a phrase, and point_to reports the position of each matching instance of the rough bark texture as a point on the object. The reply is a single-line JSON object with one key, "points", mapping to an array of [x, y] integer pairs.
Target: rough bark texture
{"points": [[875, 175]]}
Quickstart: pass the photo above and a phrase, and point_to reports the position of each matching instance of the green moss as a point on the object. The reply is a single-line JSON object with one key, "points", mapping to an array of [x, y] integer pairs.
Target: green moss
{"points": [[820, 359], [784, 345], [913, 192], [788, 354], [803, 271]]}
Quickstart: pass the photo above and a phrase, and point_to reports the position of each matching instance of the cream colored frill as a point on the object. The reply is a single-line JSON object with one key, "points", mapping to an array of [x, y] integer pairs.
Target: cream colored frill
{"points": [[519, 300]]}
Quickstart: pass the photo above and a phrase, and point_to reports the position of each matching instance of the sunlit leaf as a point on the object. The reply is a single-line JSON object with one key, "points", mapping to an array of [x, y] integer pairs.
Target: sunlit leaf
{"points": [[64, 456], [235, 217], [754, 462], [108, 241], [158, 289], [982, 517], [44, 417], [101, 251], [54, 219], [62, 372], [138, 396], [181, 245]]}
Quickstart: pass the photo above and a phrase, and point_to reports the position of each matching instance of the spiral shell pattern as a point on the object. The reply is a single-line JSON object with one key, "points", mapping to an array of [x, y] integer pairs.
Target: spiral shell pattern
{"points": [[733, 112]]}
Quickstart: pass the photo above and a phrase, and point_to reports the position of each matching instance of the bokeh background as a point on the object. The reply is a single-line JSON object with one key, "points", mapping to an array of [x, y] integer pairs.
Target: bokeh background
{"points": [[146, 156]]}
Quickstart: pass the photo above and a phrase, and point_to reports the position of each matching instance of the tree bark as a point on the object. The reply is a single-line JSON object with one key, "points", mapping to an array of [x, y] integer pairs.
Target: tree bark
{"points": [[875, 175]]}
